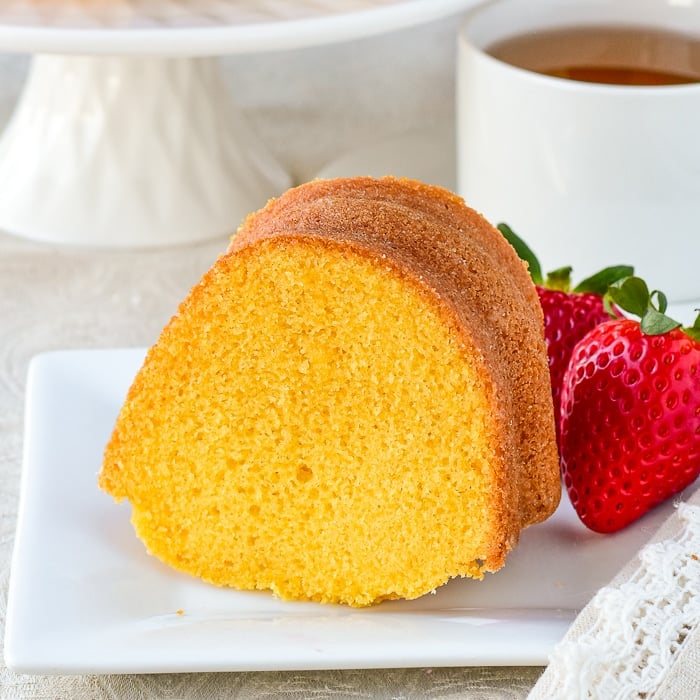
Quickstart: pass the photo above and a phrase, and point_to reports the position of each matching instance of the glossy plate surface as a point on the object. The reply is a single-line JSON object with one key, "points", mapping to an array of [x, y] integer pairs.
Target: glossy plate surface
{"points": [[85, 597]]}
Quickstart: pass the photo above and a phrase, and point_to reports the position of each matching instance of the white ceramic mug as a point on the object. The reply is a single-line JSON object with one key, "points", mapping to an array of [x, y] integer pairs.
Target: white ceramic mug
{"points": [[588, 174]]}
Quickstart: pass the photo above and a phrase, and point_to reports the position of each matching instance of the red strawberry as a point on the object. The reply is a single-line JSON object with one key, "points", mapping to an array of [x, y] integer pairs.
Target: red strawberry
{"points": [[568, 313], [568, 316], [630, 420]]}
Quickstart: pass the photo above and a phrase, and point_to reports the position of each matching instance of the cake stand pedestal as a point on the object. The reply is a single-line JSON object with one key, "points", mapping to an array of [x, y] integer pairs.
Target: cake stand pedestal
{"points": [[130, 151]]}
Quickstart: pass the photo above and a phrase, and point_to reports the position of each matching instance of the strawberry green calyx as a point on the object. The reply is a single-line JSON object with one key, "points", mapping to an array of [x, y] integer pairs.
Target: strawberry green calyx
{"points": [[632, 295], [524, 252], [694, 330], [560, 279], [599, 283]]}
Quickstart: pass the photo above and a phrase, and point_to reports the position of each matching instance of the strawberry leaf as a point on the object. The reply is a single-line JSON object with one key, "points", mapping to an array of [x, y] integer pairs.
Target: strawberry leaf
{"points": [[524, 252], [632, 294], [655, 322], [599, 283], [662, 301]]}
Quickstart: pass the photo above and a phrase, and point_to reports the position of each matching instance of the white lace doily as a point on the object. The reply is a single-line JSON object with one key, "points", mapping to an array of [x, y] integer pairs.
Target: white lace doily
{"points": [[625, 642]]}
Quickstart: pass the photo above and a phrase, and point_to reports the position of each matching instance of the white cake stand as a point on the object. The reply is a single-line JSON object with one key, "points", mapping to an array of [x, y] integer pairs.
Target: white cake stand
{"points": [[125, 135]]}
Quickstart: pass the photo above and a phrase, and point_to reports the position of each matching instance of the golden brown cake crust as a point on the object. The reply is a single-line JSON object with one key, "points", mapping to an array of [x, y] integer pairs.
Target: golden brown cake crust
{"points": [[431, 236]]}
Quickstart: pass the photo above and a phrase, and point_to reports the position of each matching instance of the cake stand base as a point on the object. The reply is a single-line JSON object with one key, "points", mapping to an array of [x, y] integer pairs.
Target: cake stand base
{"points": [[130, 152]]}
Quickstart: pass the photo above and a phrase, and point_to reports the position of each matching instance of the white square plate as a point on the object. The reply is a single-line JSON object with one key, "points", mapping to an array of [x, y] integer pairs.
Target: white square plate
{"points": [[86, 598]]}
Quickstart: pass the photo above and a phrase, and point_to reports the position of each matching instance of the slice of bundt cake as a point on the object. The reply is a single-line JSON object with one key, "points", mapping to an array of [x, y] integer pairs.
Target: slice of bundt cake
{"points": [[352, 405]]}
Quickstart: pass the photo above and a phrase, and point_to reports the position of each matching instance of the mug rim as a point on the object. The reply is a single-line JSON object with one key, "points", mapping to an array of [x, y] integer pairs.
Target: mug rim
{"points": [[479, 47]]}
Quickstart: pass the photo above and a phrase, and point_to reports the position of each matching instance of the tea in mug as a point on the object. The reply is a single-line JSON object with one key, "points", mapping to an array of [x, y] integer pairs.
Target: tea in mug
{"points": [[613, 55]]}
